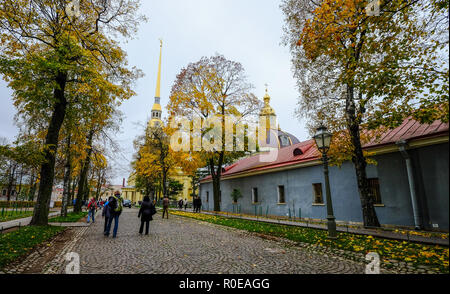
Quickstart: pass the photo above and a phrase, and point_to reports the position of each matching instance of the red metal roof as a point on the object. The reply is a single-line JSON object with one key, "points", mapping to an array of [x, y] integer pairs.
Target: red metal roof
{"points": [[408, 130]]}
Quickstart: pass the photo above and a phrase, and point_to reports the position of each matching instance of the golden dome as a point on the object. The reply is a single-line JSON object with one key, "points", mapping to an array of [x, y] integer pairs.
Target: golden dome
{"points": [[267, 110]]}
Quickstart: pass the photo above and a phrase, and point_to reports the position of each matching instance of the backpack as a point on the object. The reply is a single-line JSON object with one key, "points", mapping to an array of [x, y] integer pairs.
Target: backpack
{"points": [[118, 205]]}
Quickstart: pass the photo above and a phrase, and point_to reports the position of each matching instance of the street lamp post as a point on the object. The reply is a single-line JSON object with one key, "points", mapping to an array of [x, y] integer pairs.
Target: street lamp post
{"points": [[323, 141]]}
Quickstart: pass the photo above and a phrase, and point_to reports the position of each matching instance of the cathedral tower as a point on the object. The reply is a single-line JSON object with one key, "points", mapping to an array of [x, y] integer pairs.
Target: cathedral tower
{"points": [[156, 109]]}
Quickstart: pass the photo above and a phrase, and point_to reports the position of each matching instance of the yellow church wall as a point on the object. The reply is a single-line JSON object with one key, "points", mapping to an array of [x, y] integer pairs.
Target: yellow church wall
{"points": [[187, 187]]}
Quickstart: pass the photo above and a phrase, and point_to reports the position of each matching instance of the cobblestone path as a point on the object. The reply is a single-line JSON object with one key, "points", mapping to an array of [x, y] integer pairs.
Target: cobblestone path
{"points": [[186, 246]]}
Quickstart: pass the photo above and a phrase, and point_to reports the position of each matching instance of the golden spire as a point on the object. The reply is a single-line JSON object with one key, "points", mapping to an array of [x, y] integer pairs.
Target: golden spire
{"points": [[157, 110], [158, 81]]}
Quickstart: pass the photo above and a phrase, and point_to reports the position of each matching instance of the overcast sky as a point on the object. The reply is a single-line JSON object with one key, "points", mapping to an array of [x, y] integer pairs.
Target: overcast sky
{"points": [[246, 31]]}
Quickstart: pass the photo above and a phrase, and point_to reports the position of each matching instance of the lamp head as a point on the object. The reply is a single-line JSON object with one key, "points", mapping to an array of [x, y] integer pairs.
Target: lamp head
{"points": [[323, 139]]}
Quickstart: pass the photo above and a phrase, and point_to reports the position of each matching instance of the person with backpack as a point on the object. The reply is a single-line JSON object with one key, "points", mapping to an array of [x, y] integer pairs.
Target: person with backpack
{"points": [[92, 209], [115, 207], [165, 204], [146, 213]]}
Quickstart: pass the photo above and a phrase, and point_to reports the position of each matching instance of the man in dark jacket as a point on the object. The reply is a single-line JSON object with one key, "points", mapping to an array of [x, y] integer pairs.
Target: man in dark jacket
{"points": [[115, 206], [199, 204], [165, 204], [195, 204], [146, 214]]}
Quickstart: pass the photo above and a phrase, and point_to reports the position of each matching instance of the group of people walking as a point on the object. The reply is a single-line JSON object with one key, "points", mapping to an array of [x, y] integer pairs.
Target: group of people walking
{"points": [[196, 203], [113, 206]]}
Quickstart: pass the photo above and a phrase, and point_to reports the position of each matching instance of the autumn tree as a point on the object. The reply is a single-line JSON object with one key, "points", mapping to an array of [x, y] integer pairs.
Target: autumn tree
{"points": [[358, 71], [45, 50], [155, 159], [213, 87]]}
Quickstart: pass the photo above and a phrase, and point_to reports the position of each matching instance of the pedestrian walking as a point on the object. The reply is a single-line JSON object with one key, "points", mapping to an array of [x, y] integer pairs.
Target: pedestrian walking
{"points": [[185, 204], [146, 213], [115, 209], [194, 204], [106, 214], [180, 204], [199, 204], [165, 204], [92, 209]]}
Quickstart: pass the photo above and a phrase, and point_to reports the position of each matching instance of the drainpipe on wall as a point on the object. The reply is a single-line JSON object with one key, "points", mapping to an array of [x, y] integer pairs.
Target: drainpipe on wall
{"points": [[402, 146]]}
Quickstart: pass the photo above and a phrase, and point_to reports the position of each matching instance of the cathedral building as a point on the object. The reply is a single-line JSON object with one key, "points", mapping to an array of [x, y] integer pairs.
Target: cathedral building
{"points": [[409, 183], [129, 191]]}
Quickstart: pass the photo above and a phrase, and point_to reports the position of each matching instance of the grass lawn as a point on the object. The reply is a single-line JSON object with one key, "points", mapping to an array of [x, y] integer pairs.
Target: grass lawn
{"points": [[71, 218], [434, 256], [12, 215], [18, 243]]}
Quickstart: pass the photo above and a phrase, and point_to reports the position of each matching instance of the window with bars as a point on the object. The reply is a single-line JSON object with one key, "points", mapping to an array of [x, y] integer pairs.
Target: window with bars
{"points": [[318, 194], [374, 190], [281, 196], [255, 195]]}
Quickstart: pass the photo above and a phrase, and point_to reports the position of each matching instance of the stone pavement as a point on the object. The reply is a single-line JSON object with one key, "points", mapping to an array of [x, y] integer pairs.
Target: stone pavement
{"points": [[187, 246]]}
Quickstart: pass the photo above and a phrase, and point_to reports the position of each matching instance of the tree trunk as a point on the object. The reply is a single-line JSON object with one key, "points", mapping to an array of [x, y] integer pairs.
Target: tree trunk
{"points": [[87, 189], [370, 218], [32, 190], [101, 175], [11, 178], [164, 182], [20, 183], [40, 215], [216, 176], [72, 190], [67, 174], [216, 192], [83, 175]]}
